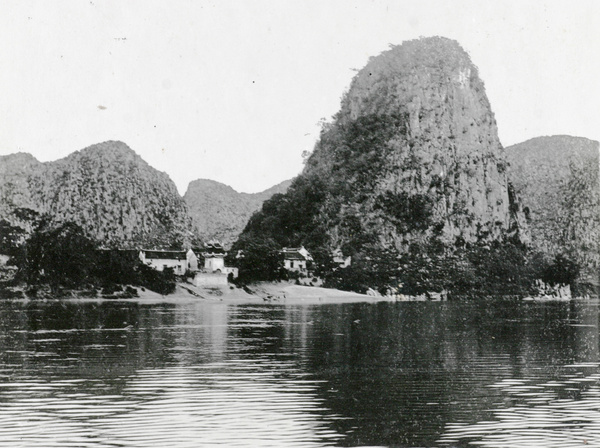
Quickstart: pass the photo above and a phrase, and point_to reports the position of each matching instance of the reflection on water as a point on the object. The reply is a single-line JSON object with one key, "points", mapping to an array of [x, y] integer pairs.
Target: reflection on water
{"points": [[230, 404], [552, 404], [390, 374]]}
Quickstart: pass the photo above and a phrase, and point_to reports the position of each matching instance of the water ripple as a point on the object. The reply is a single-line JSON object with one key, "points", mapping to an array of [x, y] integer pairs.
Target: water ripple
{"points": [[541, 420], [239, 404]]}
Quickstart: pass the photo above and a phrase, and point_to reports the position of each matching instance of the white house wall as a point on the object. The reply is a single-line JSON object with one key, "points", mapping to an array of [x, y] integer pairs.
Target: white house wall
{"points": [[214, 264], [179, 266], [206, 279]]}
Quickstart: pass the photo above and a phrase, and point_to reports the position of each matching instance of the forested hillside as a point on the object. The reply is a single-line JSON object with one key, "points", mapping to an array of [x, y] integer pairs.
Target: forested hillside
{"points": [[107, 189], [219, 212], [557, 179], [409, 176]]}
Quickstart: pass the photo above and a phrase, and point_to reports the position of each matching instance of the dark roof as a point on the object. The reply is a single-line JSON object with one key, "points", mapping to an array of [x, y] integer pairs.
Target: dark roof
{"points": [[207, 251], [165, 254], [292, 254], [213, 244], [214, 254], [213, 250], [135, 252]]}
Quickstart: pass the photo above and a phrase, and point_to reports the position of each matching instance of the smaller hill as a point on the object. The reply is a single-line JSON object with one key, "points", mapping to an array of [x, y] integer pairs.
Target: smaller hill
{"points": [[219, 212], [106, 188], [557, 180], [15, 170]]}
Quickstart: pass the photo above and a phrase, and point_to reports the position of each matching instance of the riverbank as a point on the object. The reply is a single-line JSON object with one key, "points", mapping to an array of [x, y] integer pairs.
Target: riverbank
{"points": [[260, 293], [265, 292], [284, 292]]}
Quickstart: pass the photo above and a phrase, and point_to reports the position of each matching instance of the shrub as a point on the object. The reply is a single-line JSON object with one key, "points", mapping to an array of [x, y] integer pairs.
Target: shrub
{"points": [[162, 282], [260, 259], [117, 267], [562, 271], [109, 290], [130, 292], [61, 256], [408, 212]]}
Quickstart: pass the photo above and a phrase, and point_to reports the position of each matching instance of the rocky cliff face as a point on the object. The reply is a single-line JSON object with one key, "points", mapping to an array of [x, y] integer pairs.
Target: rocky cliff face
{"points": [[15, 171], [412, 154], [219, 212], [557, 179], [106, 188], [444, 150]]}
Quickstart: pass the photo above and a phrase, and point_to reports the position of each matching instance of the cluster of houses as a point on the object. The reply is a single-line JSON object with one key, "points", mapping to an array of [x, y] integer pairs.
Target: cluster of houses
{"points": [[214, 272]]}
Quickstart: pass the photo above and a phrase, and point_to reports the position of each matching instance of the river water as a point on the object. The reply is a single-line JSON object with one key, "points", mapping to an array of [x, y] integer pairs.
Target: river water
{"points": [[117, 374]]}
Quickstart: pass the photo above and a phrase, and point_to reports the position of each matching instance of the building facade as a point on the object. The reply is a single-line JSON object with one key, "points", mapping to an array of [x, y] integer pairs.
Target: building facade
{"points": [[296, 259], [162, 259]]}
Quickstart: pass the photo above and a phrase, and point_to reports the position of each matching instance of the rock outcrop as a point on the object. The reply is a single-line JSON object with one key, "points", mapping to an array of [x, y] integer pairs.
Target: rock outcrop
{"points": [[443, 147], [557, 179], [15, 171], [106, 188], [219, 212], [412, 154]]}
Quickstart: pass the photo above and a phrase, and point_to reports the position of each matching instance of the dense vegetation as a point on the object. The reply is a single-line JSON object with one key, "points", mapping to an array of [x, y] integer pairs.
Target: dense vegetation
{"points": [[486, 268], [409, 179], [62, 257], [219, 212], [257, 260], [557, 180], [107, 189]]}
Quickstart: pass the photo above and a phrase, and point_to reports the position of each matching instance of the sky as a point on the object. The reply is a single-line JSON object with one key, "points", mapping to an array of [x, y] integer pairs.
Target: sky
{"points": [[234, 91]]}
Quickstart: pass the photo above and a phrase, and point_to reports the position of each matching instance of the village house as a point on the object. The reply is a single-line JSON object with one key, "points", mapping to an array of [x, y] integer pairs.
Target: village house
{"points": [[296, 259], [214, 257], [340, 260], [161, 259], [214, 273]]}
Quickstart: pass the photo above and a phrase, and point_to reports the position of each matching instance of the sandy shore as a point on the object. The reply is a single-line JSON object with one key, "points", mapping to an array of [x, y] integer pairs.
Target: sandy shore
{"points": [[291, 293], [262, 293]]}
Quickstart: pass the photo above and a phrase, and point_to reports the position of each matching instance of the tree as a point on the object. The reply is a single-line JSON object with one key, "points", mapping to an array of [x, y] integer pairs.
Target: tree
{"points": [[260, 259], [11, 238], [162, 282], [118, 267], [59, 256], [562, 271]]}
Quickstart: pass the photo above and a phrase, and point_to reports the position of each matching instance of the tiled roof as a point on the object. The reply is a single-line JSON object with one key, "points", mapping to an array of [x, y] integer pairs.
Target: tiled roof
{"points": [[292, 254], [214, 255], [135, 252], [165, 254], [212, 250], [213, 245]]}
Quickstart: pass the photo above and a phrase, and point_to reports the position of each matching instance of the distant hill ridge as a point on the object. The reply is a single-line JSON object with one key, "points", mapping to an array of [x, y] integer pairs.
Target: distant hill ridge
{"points": [[106, 188], [413, 153], [120, 200], [219, 212], [557, 180]]}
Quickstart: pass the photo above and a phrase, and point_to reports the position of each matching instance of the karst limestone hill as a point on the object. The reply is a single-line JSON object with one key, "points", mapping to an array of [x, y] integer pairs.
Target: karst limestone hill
{"points": [[557, 179], [122, 201], [219, 212], [15, 172], [106, 188], [412, 154]]}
